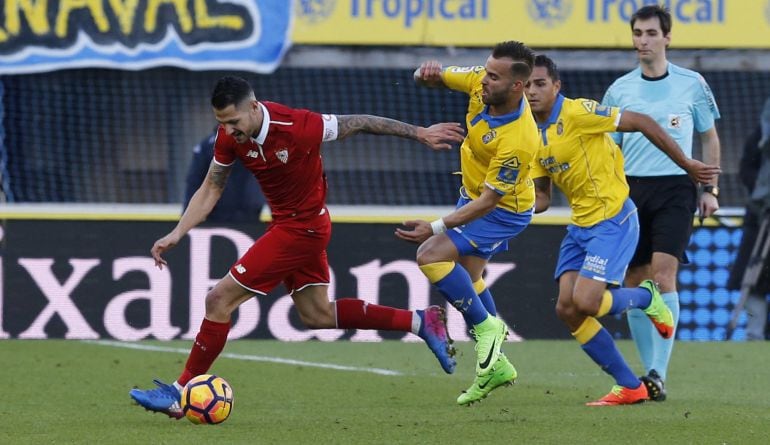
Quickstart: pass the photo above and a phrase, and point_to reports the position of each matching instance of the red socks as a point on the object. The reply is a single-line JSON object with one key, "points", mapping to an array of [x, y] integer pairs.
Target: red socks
{"points": [[208, 344], [353, 313]]}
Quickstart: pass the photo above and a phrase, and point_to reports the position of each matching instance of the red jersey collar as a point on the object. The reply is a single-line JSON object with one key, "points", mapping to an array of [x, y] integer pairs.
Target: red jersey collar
{"points": [[260, 139]]}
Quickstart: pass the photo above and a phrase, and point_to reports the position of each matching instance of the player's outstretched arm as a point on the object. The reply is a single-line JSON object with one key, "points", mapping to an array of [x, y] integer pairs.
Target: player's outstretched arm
{"points": [[698, 171], [438, 136], [420, 230], [429, 74], [201, 204]]}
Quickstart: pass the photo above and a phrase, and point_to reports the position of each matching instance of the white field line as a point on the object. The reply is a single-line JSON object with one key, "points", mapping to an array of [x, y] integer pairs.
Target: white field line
{"points": [[246, 357]]}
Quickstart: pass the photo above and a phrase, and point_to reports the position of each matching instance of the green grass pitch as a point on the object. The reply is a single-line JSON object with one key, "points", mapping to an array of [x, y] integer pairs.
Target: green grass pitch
{"points": [[63, 392]]}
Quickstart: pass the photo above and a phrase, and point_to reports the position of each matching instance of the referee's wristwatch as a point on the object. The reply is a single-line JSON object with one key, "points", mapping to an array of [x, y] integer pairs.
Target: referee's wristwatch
{"points": [[714, 190]]}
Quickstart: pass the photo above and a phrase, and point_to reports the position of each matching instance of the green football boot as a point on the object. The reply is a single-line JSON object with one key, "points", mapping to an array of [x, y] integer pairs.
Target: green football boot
{"points": [[659, 313], [502, 373], [490, 335]]}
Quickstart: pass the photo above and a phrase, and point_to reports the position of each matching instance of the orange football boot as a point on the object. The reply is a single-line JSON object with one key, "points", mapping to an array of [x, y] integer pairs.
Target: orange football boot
{"points": [[620, 395]]}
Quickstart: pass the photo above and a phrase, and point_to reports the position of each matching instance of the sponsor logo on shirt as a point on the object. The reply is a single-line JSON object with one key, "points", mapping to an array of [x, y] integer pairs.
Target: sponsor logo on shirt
{"points": [[253, 154], [513, 162], [507, 175], [553, 166], [509, 171], [596, 264], [707, 90], [589, 105], [239, 268], [465, 69]]}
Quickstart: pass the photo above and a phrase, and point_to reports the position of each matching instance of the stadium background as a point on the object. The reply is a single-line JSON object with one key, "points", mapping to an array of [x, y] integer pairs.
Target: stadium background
{"points": [[90, 138]]}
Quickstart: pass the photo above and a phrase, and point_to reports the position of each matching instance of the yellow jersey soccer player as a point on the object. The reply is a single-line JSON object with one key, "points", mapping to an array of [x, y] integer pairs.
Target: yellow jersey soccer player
{"points": [[496, 199], [579, 156]]}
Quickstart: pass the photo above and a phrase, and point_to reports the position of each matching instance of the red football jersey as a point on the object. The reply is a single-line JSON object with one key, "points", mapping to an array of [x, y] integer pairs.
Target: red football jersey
{"points": [[285, 158]]}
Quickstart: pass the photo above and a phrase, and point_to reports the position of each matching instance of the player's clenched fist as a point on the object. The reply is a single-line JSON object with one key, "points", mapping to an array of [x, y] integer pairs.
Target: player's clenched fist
{"points": [[431, 71]]}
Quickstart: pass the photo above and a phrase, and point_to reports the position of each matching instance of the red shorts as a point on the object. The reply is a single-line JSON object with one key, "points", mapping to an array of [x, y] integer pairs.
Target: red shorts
{"points": [[292, 252]]}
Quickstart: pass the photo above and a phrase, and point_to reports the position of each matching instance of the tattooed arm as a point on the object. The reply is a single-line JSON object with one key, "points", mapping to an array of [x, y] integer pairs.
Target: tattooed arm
{"points": [[351, 124], [201, 204], [438, 136]]}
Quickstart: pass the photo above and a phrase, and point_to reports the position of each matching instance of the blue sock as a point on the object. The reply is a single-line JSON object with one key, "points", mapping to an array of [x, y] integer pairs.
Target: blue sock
{"points": [[603, 351], [488, 301], [663, 347], [457, 288], [625, 298]]}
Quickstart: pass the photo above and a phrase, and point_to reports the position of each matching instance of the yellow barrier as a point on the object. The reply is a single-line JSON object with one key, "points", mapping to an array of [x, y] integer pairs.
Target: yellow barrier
{"points": [[539, 23]]}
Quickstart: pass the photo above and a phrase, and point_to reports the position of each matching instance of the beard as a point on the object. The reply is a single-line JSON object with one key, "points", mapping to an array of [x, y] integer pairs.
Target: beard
{"points": [[494, 99]]}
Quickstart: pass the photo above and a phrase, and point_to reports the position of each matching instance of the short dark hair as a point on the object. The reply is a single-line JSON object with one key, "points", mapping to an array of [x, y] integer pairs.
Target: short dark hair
{"points": [[230, 90], [545, 61], [523, 57], [651, 11]]}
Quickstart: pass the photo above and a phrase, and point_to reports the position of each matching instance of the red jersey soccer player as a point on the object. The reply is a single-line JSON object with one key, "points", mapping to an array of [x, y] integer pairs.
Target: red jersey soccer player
{"points": [[281, 146]]}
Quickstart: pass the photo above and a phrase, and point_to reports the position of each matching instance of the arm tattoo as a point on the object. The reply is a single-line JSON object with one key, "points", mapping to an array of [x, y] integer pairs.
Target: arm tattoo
{"points": [[351, 124], [218, 174]]}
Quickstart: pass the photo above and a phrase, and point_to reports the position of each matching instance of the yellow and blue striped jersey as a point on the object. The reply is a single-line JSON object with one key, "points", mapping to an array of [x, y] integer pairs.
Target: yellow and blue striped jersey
{"points": [[581, 158], [498, 151]]}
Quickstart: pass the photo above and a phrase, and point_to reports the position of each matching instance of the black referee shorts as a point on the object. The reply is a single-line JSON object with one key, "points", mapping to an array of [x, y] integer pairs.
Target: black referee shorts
{"points": [[666, 207]]}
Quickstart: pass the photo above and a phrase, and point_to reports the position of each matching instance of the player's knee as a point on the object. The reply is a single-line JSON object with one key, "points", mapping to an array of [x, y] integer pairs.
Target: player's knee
{"points": [[217, 306], [426, 255], [666, 280], [586, 304], [566, 310]]}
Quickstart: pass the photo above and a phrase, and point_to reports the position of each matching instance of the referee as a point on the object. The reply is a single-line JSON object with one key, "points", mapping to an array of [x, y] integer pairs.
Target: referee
{"points": [[680, 101]]}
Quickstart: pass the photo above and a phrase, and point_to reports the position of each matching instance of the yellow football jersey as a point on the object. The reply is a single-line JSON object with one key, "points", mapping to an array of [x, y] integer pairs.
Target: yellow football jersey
{"points": [[582, 159], [498, 151]]}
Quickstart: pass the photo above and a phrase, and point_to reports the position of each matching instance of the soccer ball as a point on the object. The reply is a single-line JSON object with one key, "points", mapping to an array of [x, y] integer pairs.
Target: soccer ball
{"points": [[207, 399]]}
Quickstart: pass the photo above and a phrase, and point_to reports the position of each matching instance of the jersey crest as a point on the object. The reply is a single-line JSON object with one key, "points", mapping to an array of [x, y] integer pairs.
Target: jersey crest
{"points": [[487, 138], [674, 121], [282, 155]]}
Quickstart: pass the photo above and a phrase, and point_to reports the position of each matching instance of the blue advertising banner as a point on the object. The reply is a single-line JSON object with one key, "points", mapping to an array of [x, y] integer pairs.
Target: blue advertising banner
{"points": [[40, 36]]}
